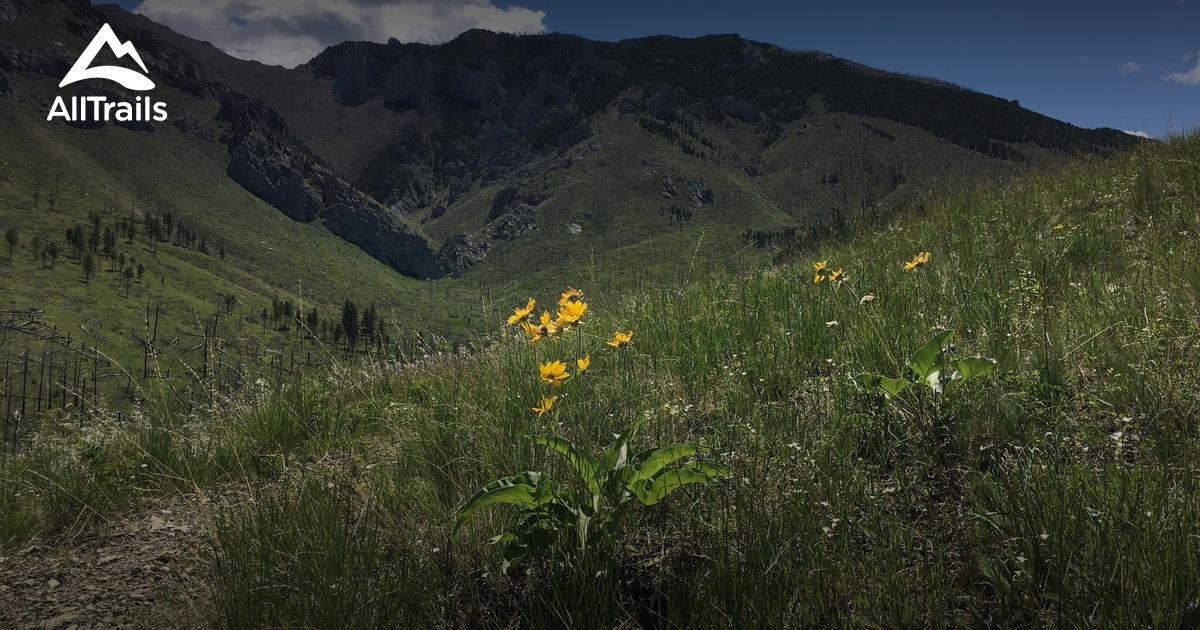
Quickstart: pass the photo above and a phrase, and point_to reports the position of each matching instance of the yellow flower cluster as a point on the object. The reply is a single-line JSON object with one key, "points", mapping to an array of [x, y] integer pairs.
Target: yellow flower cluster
{"points": [[571, 309], [824, 272]]}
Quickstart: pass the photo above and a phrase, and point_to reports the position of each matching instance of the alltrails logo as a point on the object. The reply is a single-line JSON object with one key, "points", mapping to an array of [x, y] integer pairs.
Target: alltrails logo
{"points": [[97, 108]]}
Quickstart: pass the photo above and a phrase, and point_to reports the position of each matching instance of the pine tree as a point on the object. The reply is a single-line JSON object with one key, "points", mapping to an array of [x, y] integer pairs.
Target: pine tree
{"points": [[11, 237], [350, 323], [128, 275], [367, 329], [110, 245], [89, 266]]}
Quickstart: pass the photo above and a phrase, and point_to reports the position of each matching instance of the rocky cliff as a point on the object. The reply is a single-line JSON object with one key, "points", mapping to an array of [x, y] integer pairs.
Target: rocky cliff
{"points": [[268, 161]]}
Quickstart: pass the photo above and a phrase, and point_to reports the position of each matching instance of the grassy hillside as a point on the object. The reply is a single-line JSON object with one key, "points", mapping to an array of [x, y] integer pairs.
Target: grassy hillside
{"points": [[1059, 490], [253, 252]]}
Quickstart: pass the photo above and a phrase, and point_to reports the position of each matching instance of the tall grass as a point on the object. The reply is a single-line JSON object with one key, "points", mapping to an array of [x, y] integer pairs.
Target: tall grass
{"points": [[1061, 490]]}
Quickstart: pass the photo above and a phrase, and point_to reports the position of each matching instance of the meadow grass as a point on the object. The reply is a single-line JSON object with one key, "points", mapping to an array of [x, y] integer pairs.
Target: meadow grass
{"points": [[1060, 490]]}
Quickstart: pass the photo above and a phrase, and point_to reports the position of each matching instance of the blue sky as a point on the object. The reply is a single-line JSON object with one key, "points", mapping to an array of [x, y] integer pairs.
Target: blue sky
{"points": [[1129, 65]]}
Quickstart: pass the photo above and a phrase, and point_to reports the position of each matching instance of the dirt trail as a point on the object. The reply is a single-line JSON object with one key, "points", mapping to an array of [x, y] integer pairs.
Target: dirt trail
{"points": [[141, 569]]}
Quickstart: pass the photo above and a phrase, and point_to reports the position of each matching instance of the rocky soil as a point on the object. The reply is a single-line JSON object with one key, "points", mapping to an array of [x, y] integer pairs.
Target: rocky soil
{"points": [[141, 569]]}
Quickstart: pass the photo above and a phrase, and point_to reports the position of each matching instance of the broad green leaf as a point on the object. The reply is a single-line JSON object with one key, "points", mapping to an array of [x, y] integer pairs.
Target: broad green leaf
{"points": [[971, 367], [711, 468], [934, 380], [975, 366], [929, 357], [654, 460], [583, 523], [514, 553], [886, 385], [521, 489], [616, 456], [701, 472], [618, 452], [584, 464]]}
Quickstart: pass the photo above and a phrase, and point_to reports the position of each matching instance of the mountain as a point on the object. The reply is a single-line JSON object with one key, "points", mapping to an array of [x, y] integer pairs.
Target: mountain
{"points": [[438, 182], [502, 147]]}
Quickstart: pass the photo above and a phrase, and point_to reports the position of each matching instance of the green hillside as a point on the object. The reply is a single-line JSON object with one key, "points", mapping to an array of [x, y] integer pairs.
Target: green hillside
{"points": [[254, 253], [1060, 489]]}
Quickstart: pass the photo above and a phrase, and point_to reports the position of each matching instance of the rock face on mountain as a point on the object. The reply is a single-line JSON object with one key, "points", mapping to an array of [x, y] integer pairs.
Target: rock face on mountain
{"points": [[34, 61], [266, 160], [461, 252], [490, 103]]}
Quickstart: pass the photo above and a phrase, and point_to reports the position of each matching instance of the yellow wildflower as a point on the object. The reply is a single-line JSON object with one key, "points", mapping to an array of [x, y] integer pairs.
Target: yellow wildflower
{"points": [[620, 339], [549, 328], [522, 314], [570, 295], [554, 372], [822, 271], [838, 278], [570, 312], [534, 332], [917, 261], [1059, 226], [547, 403], [583, 363]]}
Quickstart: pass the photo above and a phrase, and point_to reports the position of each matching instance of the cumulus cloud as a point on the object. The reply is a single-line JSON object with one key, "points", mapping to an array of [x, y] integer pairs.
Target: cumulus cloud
{"points": [[290, 32], [1191, 77], [1140, 134], [1129, 67]]}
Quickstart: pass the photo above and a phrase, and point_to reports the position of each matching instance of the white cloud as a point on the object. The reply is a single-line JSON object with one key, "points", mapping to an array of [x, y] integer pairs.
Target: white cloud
{"points": [[1191, 77], [1129, 67], [290, 32], [1140, 134]]}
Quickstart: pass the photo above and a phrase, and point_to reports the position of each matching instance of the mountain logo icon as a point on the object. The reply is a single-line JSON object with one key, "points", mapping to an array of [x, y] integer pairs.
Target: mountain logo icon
{"points": [[82, 70]]}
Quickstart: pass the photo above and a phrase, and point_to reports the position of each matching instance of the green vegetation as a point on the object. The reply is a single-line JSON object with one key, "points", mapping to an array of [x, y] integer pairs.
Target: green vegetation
{"points": [[1063, 488], [581, 519]]}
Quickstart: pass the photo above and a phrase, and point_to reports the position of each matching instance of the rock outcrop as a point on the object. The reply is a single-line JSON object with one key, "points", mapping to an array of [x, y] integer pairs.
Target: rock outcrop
{"points": [[461, 252], [266, 160], [694, 191]]}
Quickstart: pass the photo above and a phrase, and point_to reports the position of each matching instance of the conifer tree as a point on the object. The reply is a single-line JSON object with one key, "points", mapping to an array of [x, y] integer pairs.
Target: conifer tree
{"points": [[11, 237]]}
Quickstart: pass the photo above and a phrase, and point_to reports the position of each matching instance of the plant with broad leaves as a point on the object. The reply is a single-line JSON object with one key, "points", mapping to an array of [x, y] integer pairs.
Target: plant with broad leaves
{"points": [[932, 368], [574, 519]]}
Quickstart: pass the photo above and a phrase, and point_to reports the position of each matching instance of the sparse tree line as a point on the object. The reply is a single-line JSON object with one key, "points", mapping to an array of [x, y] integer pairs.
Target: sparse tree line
{"points": [[352, 331], [95, 245]]}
